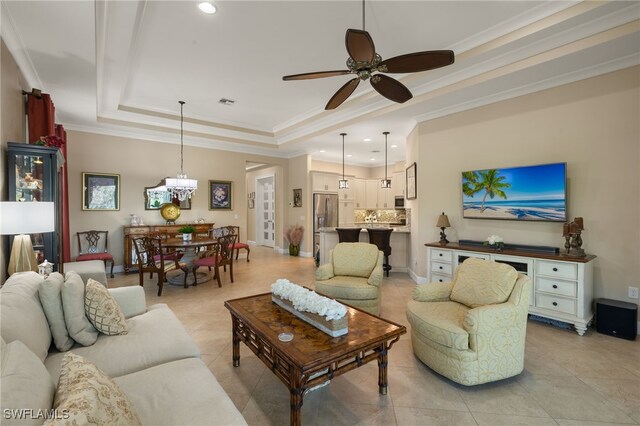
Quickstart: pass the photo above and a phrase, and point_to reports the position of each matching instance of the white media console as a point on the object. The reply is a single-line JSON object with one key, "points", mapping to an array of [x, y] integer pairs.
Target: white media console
{"points": [[562, 285]]}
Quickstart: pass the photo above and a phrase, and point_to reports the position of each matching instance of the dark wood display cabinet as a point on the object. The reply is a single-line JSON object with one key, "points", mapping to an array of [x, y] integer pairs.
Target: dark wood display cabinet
{"points": [[33, 176]]}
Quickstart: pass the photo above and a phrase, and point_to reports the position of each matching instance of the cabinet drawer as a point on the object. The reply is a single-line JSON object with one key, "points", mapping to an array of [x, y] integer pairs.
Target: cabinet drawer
{"points": [[441, 255], [439, 278], [137, 231], [441, 268], [557, 269], [555, 303], [562, 288]]}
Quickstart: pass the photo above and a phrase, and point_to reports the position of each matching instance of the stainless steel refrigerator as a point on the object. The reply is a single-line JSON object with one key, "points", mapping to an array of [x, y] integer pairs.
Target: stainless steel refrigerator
{"points": [[325, 214]]}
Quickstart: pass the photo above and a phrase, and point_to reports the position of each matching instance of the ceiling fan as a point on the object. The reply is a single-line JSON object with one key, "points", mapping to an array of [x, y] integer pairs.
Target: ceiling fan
{"points": [[366, 64]]}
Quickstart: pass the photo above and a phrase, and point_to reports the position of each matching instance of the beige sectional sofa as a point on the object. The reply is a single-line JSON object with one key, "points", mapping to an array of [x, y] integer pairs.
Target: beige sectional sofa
{"points": [[156, 364]]}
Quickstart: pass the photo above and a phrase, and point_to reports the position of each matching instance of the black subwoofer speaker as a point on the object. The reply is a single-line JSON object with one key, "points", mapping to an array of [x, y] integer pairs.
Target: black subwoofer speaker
{"points": [[617, 318]]}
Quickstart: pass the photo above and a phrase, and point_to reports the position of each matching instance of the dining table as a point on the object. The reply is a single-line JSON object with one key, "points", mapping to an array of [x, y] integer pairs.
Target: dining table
{"points": [[189, 251]]}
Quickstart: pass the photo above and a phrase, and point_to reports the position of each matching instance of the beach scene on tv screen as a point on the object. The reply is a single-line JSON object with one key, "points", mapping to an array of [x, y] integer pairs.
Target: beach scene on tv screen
{"points": [[517, 193]]}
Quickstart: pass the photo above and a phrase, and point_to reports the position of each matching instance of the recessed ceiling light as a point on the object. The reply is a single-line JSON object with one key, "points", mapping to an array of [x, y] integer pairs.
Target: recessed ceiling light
{"points": [[394, 146], [207, 7], [367, 139], [349, 155], [322, 150], [372, 159]]}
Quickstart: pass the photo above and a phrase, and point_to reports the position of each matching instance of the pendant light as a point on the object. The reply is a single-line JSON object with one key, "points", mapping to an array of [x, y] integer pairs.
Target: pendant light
{"points": [[181, 187], [386, 182], [343, 183]]}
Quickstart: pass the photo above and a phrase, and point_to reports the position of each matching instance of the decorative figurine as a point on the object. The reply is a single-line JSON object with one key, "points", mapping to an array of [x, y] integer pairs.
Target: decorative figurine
{"points": [[572, 233]]}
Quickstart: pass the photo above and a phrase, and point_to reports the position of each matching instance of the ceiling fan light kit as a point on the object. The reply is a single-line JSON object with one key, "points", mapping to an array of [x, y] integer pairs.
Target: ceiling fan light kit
{"points": [[366, 64]]}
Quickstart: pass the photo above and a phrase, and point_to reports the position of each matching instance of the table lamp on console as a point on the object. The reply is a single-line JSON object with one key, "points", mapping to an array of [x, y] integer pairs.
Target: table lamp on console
{"points": [[443, 223], [22, 219]]}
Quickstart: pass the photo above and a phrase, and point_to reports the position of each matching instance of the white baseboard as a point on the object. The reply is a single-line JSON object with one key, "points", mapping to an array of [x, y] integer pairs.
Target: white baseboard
{"points": [[417, 278], [252, 243]]}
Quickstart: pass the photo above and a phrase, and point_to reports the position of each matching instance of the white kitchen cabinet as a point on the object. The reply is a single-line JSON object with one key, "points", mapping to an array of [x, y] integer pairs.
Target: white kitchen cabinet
{"points": [[360, 193], [324, 182], [346, 215], [398, 184], [371, 191]]}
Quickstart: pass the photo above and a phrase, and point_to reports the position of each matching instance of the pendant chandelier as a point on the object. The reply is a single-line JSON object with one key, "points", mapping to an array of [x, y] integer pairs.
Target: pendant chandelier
{"points": [[181, 187], [386, 182], [343, 183]]}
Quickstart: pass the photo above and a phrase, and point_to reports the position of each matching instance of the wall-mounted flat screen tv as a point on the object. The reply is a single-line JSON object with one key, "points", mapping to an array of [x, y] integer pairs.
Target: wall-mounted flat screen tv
{"points": [[516, 193]]}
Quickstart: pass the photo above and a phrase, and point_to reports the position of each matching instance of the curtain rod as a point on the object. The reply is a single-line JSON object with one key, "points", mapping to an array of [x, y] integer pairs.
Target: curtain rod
{"points": [[34, 92]]}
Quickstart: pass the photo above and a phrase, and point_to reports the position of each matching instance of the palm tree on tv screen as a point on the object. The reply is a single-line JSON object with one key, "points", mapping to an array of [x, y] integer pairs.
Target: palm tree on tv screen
{"points": [[487, 180]]}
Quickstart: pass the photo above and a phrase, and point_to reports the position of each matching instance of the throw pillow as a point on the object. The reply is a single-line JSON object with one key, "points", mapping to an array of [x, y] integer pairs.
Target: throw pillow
{"points": [[87, 396], [50, 293], [26, 385], [78, 326], [483, 282], [102, 309]]}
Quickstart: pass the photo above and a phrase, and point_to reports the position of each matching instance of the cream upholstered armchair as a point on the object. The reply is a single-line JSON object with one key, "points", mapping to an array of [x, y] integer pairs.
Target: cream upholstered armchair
{"points": [[472, 330], [353, 275]]}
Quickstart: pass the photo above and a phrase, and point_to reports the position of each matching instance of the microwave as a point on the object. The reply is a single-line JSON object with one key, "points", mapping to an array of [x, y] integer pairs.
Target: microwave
{"points": [[399, 203]]}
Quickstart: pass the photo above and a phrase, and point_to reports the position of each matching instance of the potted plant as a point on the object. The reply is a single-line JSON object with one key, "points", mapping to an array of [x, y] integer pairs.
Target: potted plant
{"points": [[293, 234], [187, 232]]}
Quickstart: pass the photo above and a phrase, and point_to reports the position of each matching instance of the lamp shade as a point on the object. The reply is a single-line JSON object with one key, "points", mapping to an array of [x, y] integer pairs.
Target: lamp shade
{"points": [[443, 221], [29, 217]]}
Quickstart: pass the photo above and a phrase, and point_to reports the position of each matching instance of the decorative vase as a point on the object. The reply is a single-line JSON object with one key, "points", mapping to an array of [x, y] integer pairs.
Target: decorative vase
{"points": [[294, 250], [134, 220], [186, 237]]}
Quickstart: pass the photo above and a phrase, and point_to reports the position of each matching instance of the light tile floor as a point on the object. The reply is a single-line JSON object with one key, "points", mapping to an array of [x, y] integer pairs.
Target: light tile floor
{"points": [[568, 379]]}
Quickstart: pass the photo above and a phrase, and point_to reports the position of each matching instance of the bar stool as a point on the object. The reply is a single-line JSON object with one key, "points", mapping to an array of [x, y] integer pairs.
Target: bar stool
{"points": [[348, 235], [381, 237]]}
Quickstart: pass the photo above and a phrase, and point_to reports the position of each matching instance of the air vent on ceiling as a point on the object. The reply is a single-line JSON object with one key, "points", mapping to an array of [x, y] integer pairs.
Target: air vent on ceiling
{"points": [[375, 151], [225, 101]]}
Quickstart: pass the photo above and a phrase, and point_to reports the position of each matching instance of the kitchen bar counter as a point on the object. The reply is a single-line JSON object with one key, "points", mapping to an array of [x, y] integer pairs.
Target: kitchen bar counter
{"points": [[400, 240]]}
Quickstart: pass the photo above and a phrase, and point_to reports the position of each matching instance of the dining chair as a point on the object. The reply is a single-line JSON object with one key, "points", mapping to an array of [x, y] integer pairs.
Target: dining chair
{"points": [[94, 245], [153, 258], [238, 245], [220, 255], [169, 254]]}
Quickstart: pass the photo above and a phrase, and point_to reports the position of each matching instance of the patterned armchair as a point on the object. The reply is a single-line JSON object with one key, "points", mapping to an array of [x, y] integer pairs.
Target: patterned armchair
{"points": [[353, 275], [472, 330]]}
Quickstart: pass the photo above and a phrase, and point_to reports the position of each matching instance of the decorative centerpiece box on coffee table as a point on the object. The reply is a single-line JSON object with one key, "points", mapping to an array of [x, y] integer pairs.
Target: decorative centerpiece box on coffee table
{"points": [[322, 312]]}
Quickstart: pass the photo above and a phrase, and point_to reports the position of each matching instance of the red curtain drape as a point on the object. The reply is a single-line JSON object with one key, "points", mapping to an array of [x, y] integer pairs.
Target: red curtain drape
{"points": [[41, 117], [64, 197], [41, 121]]}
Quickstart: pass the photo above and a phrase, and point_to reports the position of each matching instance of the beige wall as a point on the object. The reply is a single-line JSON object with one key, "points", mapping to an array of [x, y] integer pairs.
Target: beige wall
{"points": [[592, 125], [299, 168], [12, 129], [143, 163], [412, 151]]}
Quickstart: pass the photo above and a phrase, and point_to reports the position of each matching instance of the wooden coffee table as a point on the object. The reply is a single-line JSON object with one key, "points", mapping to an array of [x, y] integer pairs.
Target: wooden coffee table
{"points": [[312, 357]]}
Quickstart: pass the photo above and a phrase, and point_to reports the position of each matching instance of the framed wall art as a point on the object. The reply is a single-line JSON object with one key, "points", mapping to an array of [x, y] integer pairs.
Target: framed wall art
{"points": [[220, 195], [297, 197], [412, 193], [100, 191]]}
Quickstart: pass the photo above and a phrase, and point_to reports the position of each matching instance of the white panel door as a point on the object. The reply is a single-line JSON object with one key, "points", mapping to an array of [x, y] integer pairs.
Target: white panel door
{"points": [[267, 212]]}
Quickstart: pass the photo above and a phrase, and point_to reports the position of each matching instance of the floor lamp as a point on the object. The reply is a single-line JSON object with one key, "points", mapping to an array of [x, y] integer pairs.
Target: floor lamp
{"points": [[22, 219]]}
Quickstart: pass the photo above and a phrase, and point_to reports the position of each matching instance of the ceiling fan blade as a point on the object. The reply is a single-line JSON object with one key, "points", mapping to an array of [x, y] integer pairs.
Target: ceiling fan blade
{"points": [[360, 45], [319, 74], [391, 88], [342, 94], [419, 61]]}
